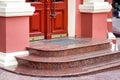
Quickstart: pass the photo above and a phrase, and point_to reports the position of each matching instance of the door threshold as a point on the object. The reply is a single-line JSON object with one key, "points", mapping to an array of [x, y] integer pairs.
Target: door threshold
{"points": [[59, 35], [36, 38], [54, 36]]}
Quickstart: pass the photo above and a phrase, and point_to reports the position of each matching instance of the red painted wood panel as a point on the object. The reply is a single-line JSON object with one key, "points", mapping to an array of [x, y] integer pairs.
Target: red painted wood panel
{"points": [[58, 24], [43, 24], [37, 20]]}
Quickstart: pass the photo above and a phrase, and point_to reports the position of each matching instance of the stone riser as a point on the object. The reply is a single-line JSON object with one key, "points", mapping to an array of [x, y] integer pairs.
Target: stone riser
{"points": [[55, 60], [72, 64], [67, 52]]}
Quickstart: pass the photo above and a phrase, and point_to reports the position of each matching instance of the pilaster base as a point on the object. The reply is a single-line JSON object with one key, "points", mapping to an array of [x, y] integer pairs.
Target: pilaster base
{"points": [[8, 59], [112, 37], [10, 8], [95, 7]]}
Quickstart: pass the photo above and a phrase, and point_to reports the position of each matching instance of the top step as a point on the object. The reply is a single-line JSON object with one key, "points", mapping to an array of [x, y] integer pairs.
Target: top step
{"points": [[67, 46]]}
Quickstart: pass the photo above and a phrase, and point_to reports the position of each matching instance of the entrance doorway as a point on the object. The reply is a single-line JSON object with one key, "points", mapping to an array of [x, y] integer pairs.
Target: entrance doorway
{"points": [[50, 19]]}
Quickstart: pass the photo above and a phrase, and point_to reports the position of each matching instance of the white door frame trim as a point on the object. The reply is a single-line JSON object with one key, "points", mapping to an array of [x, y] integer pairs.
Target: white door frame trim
{"points": [[71, 17]]}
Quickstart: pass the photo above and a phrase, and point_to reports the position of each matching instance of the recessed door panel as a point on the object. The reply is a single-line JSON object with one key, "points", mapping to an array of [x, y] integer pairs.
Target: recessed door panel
{"points": [[37, 20], [58, 22], [58, 17], [50, 18]]}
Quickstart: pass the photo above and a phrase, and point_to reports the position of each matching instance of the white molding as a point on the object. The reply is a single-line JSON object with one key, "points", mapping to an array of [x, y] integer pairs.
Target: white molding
{"points": [[71, 17], [109, 20], [95, 7], [113, 40], [8, 59], [11, 8], [12, 0], [93, 0], [111, 36], [114, 47]]}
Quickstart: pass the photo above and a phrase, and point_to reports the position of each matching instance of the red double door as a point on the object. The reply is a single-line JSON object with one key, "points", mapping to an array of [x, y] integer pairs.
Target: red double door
{"points": [[49, 19]]}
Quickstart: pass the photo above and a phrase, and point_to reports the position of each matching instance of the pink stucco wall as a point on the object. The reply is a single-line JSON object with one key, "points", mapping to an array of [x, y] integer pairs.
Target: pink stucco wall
{"points": [[109, 24], [78, 19], [94, 25], [14, 34], [91, 25], [2, 34], [99, 29]]}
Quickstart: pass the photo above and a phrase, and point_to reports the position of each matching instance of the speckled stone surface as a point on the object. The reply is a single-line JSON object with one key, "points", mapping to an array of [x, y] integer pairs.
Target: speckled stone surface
{"points": [[37, 72], [54, 48], [56, 44], [110, 74], [64, 41], [61, 63]]}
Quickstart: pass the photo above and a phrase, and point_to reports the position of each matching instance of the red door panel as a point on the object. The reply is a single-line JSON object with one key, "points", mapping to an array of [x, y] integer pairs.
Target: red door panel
{"points": [[37, 20], [58, 23], [44, 23]]}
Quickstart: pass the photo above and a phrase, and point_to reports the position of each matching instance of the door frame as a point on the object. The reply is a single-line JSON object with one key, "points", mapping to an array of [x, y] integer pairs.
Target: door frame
{"points": [[49, 34], [71, 17]]}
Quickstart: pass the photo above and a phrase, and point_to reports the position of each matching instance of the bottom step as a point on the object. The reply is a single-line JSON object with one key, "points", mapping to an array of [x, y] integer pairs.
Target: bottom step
{"points": [[22, 69]]}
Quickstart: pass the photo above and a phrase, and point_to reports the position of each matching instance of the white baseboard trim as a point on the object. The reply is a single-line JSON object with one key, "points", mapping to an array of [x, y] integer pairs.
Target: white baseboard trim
{"points": [[8, 59], [109, 20], [111, 35], [95, 7], [112, 38]]}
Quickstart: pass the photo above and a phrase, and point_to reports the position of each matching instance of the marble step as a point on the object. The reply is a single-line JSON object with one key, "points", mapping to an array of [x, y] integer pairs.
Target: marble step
{"points": [[66, 57], [56, 50], [24, 70], [72, 61]]}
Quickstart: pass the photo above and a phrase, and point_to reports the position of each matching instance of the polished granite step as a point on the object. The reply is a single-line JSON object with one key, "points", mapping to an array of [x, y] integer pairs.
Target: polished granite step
{"points": [[72, 61], [67, 46], [22, 69], [66, 57]]}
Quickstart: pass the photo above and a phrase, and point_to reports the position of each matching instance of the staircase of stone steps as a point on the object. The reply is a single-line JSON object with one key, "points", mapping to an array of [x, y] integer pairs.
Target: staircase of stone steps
{"points": [[66, 57]]}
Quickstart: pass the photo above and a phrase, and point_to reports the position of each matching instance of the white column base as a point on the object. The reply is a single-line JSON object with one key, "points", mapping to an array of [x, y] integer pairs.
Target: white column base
{"points": [[111, 35], [11, 8], [114, 47], [8, 59], [109, 20], [95, 7]]}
